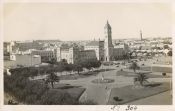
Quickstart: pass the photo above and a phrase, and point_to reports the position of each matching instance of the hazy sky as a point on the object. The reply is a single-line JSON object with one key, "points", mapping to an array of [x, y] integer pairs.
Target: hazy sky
{"points": [[31, 21]]}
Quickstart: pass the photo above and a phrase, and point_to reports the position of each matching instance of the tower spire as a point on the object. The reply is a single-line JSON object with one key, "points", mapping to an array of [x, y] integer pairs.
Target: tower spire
{"points": [[141, 35]]}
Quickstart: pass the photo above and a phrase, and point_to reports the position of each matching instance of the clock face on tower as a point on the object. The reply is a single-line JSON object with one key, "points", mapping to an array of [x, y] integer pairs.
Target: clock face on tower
{"points": [[109, 30], [105, 31]]}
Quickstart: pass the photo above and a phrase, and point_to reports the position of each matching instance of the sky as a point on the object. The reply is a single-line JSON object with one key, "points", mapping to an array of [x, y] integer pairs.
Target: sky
{"points": [[85, 21]]}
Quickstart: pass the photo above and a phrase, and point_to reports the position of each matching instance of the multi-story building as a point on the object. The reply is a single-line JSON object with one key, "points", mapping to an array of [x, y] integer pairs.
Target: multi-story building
{"points": [[87, 55], [8, 47], [98, 47], [120, 50], [46, 55], [26, 60], [105, 50], [70, 54]]}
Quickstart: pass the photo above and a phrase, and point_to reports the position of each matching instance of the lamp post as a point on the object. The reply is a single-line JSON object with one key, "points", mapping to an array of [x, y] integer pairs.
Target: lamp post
{"points": [[102, 76], [38, 69]]}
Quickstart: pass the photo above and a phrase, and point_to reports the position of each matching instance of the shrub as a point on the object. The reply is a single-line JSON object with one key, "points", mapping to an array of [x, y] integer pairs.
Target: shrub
{"points": [[117, 98], [164, 74]]}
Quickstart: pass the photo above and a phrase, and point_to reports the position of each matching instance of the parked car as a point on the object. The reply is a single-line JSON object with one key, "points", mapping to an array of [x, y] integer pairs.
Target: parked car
{"points": [[117, 65]]}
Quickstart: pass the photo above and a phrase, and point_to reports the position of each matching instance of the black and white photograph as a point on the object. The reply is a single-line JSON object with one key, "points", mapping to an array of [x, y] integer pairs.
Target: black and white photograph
{"points": [[87, 53]]}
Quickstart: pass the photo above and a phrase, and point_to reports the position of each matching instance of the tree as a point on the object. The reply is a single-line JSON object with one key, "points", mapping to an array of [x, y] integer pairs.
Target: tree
{"points": [[170, 53], [69, 67], [165, 46], [91, 63], [141, 77], [134, 66], [53, 61], [96, 64], [126, 56], [77, 67], [52, 78]]}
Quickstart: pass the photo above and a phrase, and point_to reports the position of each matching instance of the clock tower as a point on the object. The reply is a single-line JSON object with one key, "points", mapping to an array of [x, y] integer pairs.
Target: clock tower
{"points": [[108, 46]]}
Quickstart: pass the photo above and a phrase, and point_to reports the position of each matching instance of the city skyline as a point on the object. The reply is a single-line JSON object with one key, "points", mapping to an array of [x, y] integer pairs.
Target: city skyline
{"points": [[37, 21]]}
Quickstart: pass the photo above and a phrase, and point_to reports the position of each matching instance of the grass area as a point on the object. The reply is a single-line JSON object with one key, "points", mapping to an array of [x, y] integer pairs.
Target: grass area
{"points": [[73, 91], [149, 75], [164, 60], [128, 93]]}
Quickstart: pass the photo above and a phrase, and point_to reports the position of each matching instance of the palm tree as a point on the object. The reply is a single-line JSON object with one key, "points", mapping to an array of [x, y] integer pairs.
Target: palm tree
{"points": [[141, 77], [52, 78], [134, 66]]}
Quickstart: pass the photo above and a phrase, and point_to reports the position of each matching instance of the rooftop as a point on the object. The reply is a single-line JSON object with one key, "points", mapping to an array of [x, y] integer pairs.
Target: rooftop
{"points": [[93, 43]]}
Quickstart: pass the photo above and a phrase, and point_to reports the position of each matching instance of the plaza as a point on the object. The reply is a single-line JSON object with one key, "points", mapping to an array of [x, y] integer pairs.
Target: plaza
{"points": [[100, 93]]}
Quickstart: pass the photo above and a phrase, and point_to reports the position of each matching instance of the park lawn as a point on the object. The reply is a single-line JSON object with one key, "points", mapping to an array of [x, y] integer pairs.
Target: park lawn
{"points": [[75, 92], [149, 75], [129, 94]]}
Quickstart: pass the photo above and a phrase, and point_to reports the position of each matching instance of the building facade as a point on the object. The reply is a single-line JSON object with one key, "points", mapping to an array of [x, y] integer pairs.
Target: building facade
{"points": [[70, 54], [46, 55], [98, 47], [87, 55], [105, 50], [26, 60]]}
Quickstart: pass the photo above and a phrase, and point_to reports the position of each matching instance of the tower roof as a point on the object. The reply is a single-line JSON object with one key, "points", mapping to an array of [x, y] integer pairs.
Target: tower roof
{"points": [[107, 25]]}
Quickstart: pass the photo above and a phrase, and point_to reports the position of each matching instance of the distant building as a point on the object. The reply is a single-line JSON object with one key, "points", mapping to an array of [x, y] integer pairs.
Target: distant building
{"points": [[70, 54], [98, 47], [46, 55], [105, 50], [87, 55], [26, 60], [23, 46], [8, 47], [120, 51]]}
